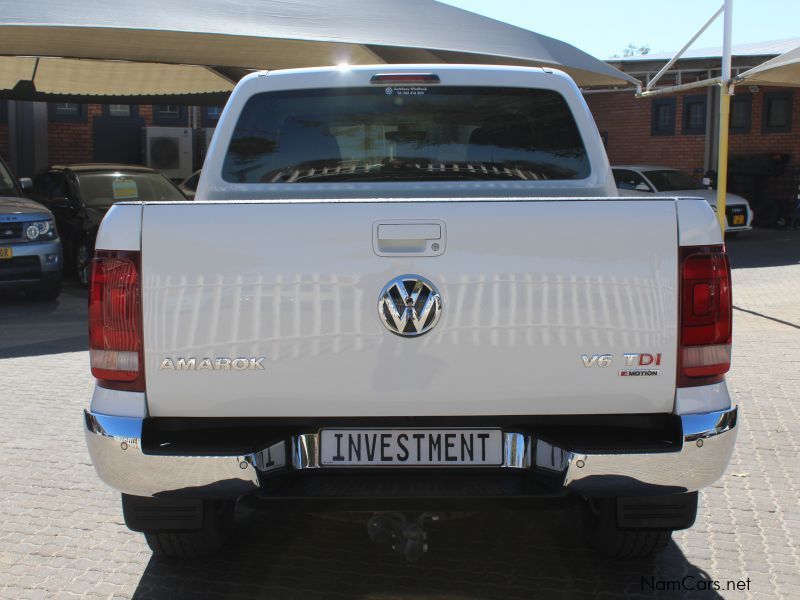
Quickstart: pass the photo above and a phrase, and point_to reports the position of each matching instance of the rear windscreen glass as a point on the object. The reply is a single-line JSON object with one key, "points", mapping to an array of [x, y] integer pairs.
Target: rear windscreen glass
{"points": [[405, 134]]}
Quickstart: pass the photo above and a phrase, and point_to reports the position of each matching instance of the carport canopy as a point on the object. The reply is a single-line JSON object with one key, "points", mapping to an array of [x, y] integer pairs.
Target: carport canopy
{"points": [[70, 77], [783, 70], [215, 42]]}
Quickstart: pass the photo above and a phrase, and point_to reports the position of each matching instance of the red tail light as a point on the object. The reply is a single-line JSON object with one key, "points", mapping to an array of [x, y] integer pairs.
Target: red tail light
{"points": [[706, 310], [115, 321]]}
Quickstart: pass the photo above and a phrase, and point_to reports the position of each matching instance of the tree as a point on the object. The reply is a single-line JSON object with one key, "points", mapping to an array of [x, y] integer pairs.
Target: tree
{"points": [[633, 50]]}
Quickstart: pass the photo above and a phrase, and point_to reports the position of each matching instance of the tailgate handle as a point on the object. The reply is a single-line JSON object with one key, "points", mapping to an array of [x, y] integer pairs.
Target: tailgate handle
{"points": [[410, 238], [422, 231]]}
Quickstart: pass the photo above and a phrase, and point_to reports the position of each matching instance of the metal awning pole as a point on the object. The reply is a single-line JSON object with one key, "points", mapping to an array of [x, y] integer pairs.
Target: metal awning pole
{"points": [[688, 44], [724, 111], [704, 83]]}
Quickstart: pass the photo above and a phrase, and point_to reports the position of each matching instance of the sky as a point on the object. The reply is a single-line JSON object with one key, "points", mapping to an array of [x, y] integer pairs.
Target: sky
{"points": [[604, 28]]}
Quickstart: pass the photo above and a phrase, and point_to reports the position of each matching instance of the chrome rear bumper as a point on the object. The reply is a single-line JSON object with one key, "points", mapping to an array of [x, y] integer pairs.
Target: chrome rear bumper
{"points": [[708, 439]]}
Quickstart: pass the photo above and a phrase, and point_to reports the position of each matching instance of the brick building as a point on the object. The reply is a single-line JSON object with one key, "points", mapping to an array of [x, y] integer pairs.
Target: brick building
{"points": [[34, 135], [680, 130]]}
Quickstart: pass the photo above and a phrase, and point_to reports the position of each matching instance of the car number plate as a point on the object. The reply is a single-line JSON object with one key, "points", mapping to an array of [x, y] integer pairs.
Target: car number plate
{"points": [[738, 219], [411, 447], [6, 253]]}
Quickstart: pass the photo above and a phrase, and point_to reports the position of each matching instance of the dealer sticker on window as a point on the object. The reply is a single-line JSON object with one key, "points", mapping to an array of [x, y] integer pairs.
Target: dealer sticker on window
{"points": [[406, 91], [125, 189]]}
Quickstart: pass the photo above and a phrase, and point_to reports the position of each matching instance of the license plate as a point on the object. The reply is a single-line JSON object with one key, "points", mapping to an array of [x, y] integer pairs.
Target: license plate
{"points": [[6, 253], [411, 447], [738, 219]]}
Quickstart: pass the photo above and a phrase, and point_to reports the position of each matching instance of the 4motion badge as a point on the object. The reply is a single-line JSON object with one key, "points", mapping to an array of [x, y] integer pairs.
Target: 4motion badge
{"points": [[636, 364]]}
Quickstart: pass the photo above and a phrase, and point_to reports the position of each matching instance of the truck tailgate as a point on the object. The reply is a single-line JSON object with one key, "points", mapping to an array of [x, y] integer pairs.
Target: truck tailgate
{"points": [[532, 290]]}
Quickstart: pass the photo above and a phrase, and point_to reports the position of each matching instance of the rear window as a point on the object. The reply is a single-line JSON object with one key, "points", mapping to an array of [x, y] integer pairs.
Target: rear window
{"points": [[405, 134]]}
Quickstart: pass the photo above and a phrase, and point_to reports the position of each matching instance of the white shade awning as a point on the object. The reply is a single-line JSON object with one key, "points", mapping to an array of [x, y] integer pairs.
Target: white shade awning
{"points": [[783, 70], [234, 36], [78, 77]]}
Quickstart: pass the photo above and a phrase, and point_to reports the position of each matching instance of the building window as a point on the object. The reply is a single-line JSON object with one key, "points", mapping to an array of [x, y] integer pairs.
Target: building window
{"points": [[211, 115], [67, 109], [694, 115], [778, 112], [169, 111], [169, 114], [741, 110], [4, 111], [663, 116], [119, 110], [66, 112]]}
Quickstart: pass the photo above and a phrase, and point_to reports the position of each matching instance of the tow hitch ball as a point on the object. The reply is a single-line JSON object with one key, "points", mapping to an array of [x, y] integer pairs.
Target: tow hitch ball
{"points": [[406, 534]]}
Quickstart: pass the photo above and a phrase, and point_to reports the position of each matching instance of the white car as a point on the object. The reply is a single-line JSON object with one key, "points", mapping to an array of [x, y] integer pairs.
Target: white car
{"points": [[408, 288], [633, 180]]}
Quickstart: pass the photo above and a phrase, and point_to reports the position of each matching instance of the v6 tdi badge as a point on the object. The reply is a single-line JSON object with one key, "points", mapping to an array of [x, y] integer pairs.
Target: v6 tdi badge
{"points": [[637, 364]]}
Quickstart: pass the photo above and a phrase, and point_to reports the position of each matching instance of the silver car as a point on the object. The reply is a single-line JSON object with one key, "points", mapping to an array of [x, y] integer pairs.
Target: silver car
{"points": [[636, 180], [30, 250]]}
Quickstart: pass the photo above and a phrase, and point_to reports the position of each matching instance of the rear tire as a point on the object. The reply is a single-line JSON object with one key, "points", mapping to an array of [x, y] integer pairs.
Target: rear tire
{"points": [[207, 541], [604, 535], [172, 531]]}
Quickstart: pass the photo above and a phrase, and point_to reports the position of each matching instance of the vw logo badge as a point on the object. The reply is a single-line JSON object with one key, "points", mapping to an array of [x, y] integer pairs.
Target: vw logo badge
{"points": [[409, 305]]}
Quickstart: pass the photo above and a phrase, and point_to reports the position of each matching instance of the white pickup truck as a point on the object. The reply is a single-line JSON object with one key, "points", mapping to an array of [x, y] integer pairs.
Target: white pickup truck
{"points": [[403, 290]]}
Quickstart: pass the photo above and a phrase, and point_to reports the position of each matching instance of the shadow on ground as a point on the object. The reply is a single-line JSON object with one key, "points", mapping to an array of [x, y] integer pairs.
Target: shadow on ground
{"points": [[495, 554], [764, 248], [29, 328]]}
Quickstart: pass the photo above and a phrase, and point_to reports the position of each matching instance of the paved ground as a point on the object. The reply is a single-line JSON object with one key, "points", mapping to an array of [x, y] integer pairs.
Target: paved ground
{"points": [[61, 532]]}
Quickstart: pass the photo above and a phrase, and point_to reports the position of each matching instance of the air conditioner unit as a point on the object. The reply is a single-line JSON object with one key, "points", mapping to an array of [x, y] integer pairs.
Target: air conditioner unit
{"points": [[169, 150]]}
